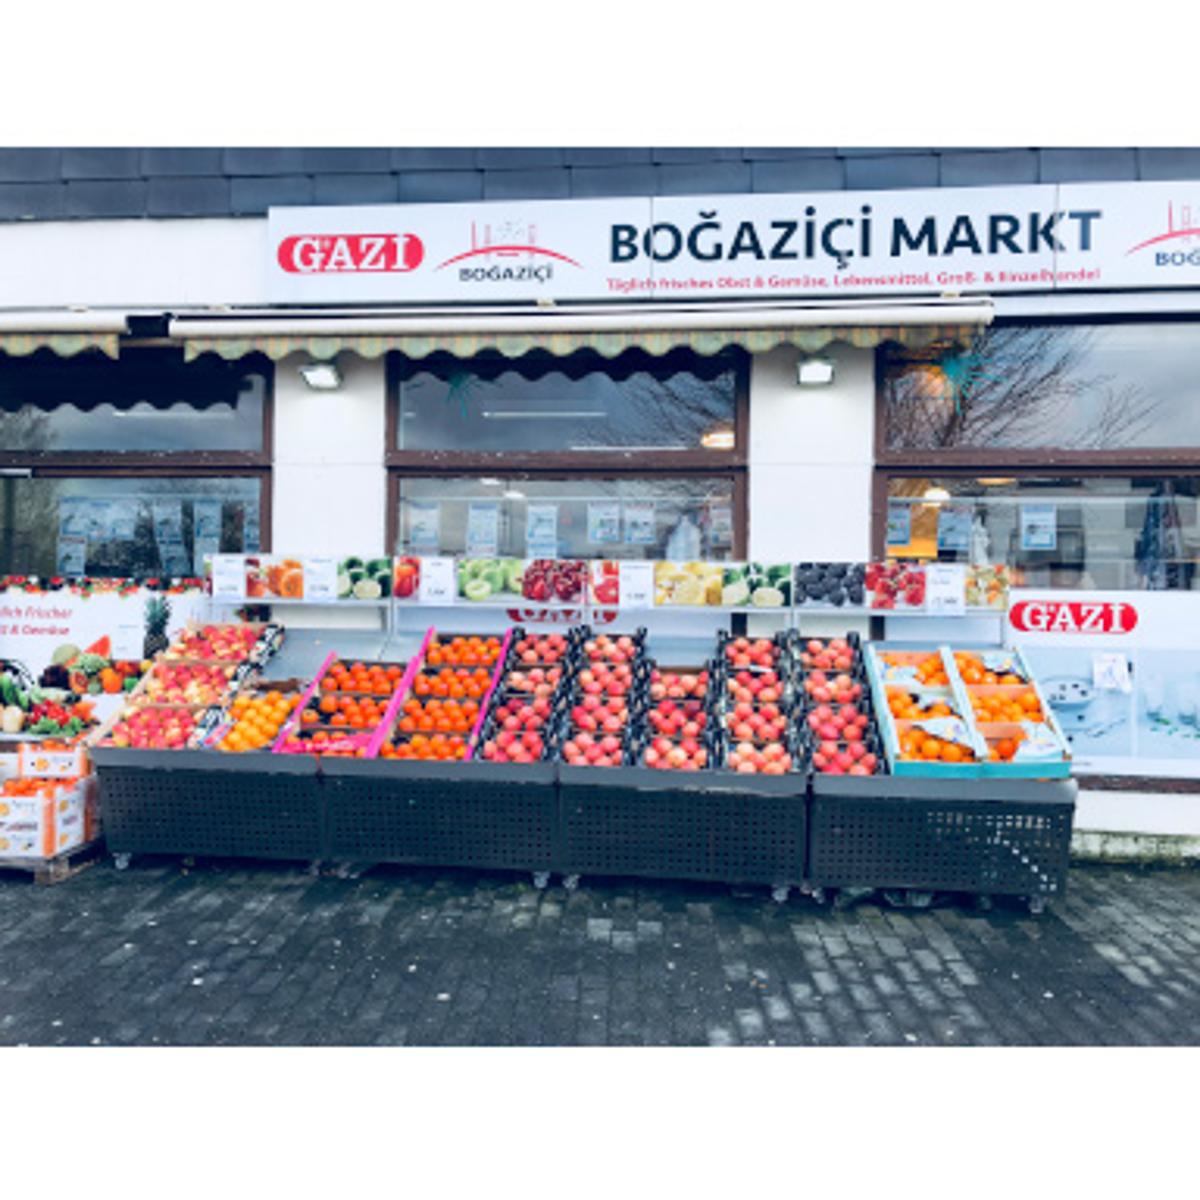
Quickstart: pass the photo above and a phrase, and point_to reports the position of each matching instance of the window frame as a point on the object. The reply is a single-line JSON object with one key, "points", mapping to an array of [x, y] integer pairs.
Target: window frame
{"points": [[571, 465], [179, 464]]}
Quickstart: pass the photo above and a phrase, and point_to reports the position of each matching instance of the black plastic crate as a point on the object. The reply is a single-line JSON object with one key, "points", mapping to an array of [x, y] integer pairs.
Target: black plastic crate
{"points": [[987, 837], [677, 825], [444, 814], [197, 802]]}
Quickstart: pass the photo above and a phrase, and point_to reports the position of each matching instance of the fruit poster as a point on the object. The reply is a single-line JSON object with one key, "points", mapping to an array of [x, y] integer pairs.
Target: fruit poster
{"points": [[899, 523], [1039, 526], [954, 527], [40, 628]]}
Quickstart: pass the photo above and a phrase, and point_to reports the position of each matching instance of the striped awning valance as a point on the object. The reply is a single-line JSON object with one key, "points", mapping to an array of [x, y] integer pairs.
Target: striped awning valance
{"points": [[63, 344], [809, 338]]}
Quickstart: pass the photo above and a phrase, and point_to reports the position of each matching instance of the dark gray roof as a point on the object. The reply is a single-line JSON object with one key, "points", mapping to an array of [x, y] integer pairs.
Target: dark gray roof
{"points": [[90, 182]]}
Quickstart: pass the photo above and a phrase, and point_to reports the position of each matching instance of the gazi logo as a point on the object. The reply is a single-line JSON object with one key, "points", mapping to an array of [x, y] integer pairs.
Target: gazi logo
{"points": [[347, 253], [1177, 246], [508, 252]]}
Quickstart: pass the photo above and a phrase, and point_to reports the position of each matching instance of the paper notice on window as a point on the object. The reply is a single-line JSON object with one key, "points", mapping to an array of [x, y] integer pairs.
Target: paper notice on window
{"points": [[945, 589], [72, 554], [720, 530], [483, 530], [437, 583], [168, 521], [202, 552], [228, 577], [74, 517], [954, 527], [99, 516], [123, 520], [206, 520], [541, 530], [424, 526], [899, 523], [641, 524], [636, 584], [1039, 526], [604, 522], [320, 579]]}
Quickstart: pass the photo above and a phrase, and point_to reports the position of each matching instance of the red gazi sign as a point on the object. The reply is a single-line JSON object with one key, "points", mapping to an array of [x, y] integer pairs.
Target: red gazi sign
{"points": [[1073, 616], [342, 253]]}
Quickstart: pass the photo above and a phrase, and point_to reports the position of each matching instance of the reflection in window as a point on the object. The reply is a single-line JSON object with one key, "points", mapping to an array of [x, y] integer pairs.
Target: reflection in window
{"points": [[1073, 387], [1108, 533], [583, 406]]}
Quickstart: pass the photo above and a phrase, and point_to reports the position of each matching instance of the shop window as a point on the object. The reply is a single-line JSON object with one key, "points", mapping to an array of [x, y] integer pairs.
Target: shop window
{"points": [[581, 404], [640, 455], [1081, 388], [143, 402], [1085, 531], [587, 517], [138, 527], [135, 467]]}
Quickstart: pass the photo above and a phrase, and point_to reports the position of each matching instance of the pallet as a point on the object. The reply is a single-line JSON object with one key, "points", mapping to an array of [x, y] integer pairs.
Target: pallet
{"points": [[46, 871]]}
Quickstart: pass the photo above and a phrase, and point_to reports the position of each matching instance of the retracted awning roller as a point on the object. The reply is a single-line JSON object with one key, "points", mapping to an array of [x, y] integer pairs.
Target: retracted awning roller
{"points": [[65, 332], [561, 332]]}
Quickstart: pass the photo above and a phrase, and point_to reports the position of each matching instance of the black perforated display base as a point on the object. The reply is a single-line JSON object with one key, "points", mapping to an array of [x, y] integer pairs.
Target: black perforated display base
{"points": [[446, 815], [617, 822], [1007, 846], [240, 813]]}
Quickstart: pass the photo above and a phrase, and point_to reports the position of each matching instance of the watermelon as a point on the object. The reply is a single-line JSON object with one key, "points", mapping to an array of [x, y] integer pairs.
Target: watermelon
{"points": [[103, 647]]}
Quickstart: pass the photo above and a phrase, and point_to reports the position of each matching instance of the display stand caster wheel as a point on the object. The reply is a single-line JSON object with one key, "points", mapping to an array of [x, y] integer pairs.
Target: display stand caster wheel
{"points": [[780, 893], [818, 894], [541, 880], [571, 882], [1037, 905], [983, 903], [314, 868], [121, 861]]}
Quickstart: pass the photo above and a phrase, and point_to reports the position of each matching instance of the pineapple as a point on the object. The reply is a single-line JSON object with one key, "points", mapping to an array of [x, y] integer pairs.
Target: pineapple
{"points": [[158, 613]]}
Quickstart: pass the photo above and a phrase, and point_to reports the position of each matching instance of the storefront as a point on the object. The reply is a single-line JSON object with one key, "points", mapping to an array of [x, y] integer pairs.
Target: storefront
{"points": [[999, 376]]}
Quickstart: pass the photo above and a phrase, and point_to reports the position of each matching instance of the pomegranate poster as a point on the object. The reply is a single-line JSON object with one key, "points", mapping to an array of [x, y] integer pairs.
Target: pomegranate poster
{"points": [[1121, 670]]}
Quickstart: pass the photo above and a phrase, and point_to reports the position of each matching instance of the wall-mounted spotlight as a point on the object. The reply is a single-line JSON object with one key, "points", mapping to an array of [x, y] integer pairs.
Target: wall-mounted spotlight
{"points": [[322, 376], [814, 372]]}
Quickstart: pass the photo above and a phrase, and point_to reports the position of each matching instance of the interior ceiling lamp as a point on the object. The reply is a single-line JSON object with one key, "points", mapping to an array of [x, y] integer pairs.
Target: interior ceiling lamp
{"points": [[935, 495], [814, 372], [322, 376], [718, 439], [996, 481]]}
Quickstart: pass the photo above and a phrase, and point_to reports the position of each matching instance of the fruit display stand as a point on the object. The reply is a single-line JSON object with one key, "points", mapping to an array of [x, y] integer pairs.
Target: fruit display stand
{"points": [[941, 824], [467, 812], [979, 836], [196, 800]]}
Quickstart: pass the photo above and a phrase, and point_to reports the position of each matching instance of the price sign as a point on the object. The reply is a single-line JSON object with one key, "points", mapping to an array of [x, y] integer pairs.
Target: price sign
{"points": [[438, 582], [228, 577], [945, 589], [320, 579], [637, 584]]}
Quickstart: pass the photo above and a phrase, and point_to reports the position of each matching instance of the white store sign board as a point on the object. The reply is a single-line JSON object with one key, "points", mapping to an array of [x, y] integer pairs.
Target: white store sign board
{"points": [[1038, 237]]}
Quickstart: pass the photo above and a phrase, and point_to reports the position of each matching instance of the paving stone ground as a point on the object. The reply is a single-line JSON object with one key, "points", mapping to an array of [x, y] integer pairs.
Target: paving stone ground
{"points": [[230, 954]]}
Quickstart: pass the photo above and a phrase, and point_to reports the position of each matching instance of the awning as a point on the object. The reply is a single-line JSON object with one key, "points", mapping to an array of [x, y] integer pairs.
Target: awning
{"points": [[562, 332], [65, 331], [63, 344]]}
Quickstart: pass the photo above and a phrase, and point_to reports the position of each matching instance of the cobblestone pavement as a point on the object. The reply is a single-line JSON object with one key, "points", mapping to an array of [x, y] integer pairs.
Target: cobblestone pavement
{"points": [[230, 954]]}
